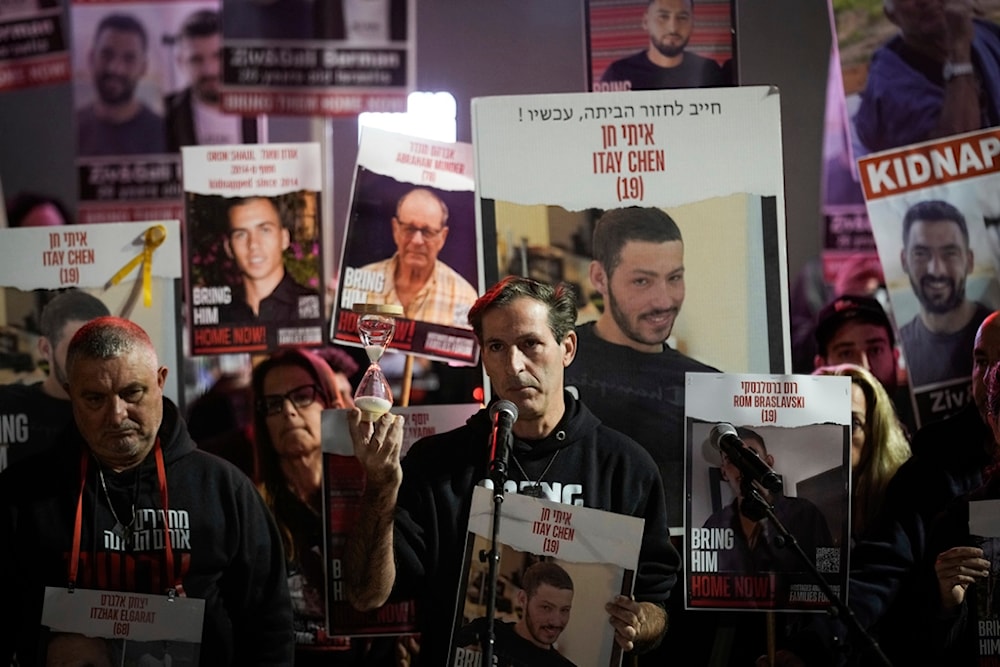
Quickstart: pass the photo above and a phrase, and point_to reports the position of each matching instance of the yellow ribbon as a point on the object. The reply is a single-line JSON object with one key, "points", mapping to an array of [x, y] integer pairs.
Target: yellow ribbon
{"points": [[153, 237]]}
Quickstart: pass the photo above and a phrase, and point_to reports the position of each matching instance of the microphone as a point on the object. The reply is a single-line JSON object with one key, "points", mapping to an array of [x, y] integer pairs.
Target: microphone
{"points": [[503, 414], [723, 438]]}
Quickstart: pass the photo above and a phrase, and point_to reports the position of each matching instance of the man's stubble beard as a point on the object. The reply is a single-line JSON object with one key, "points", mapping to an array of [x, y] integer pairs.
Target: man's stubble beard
{"points": [[953, 302]]}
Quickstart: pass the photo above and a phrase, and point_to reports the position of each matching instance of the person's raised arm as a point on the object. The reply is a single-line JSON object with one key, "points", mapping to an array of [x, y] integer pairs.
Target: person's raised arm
{"points": [[369, 565], [960, 107]]}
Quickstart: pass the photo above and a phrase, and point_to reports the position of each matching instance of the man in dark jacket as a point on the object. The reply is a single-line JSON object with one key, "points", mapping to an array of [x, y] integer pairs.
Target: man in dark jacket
{"points": [[413, 525], [127, 484]]}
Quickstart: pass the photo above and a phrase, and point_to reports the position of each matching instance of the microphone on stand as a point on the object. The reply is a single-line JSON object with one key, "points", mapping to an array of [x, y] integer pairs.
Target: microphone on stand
{"points": [[503, 414], [724, 438]]}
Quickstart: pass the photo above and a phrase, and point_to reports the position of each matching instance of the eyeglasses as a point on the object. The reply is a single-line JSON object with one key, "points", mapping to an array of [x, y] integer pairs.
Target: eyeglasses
{"points": [[301, 397], [409, 231]]}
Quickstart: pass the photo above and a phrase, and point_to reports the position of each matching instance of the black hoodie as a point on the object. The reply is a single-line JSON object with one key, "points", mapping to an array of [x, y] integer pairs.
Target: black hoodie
{"points": [[226, 547], [595, 467]]}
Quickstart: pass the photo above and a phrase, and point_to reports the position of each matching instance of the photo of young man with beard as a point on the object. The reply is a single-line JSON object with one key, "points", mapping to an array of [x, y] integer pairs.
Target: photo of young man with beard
{"points": [[546, 598], [666, 61], [937, 259], [193, 114], [117, 122]]}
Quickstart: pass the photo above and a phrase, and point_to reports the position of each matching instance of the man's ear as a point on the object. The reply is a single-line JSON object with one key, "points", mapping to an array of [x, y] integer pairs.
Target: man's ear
{"points": [[286, 238], [599, 277], [45, 349], [228, 248], [569, 348]]}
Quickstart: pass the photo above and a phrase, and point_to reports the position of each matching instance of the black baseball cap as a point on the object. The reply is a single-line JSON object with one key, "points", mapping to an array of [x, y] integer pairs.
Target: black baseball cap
{"points": [[845, 309]]}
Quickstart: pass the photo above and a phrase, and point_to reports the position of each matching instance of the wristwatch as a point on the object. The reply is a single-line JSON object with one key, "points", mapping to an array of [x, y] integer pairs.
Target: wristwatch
{"points": [[951, 70]]}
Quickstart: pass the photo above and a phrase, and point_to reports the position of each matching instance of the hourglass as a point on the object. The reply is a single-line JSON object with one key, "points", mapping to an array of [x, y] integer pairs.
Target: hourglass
{"points": [[376, 324]]}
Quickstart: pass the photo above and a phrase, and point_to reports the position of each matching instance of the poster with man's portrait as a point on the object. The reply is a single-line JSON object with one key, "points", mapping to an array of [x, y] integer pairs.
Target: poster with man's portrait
{"points": [[693, 272], [559, 565], [123, 62], [660, 44], [412, 241], [253, 240], [933, 208], [61, 278], [766, 454]]}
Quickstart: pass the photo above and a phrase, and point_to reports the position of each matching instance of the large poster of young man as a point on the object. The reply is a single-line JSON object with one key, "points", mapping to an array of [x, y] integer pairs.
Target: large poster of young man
{"points": [[678, 261]]}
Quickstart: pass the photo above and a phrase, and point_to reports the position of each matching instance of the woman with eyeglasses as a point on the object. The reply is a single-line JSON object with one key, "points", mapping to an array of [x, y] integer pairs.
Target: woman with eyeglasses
{"points": [[291, 389]]}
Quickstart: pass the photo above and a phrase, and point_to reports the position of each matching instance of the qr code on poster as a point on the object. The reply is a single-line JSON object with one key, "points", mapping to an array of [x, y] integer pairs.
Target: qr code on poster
{"points": [[828, 559]]}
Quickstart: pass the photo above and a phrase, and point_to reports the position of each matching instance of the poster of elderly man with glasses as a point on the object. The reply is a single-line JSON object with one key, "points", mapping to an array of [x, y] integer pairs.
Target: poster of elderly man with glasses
{"points": [[411, 241]]}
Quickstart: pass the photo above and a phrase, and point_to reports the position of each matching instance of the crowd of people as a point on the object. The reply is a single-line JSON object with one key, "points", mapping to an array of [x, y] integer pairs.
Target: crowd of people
{"points": [[125, 499]]}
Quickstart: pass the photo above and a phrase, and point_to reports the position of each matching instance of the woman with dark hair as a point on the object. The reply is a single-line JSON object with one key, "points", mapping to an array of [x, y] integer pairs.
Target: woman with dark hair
{"points": [[291, 389]]}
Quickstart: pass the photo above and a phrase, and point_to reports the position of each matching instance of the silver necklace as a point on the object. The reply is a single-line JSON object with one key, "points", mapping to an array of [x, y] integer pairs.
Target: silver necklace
{"points": [[534, 488], [121, 530]]}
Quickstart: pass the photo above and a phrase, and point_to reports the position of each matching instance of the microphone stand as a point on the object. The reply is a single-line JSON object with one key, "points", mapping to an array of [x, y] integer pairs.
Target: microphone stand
{"points": [[755, 507], [498, 476]]}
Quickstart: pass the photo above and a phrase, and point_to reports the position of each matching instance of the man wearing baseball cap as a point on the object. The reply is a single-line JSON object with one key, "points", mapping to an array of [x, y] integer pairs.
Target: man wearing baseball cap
{"points": [[854, 329]]}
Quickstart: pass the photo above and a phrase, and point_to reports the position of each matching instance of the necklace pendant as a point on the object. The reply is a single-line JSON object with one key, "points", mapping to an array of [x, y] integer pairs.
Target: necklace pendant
{"points": [[123, 533], [533, 490]]}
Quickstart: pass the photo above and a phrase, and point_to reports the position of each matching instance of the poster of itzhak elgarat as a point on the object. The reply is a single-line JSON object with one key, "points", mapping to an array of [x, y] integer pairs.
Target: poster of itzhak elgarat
{"points": [[768, 474], [104, 628], [252, 245], [53, 281], [664, 212], [318, 58], [559, 565], [412, 241], [935, 213]]}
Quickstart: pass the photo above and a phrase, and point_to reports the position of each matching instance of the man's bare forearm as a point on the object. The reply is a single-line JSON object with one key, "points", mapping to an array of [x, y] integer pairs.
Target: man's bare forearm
{"points": [[369, 562]]}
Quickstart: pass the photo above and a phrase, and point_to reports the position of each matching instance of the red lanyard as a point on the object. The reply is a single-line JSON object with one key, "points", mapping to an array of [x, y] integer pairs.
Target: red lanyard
{"points": [[161, 476]]}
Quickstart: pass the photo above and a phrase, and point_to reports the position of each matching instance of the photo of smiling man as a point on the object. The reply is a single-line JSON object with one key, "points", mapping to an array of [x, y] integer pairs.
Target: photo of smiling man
{"points": [[546, 598], [937, 259]]}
